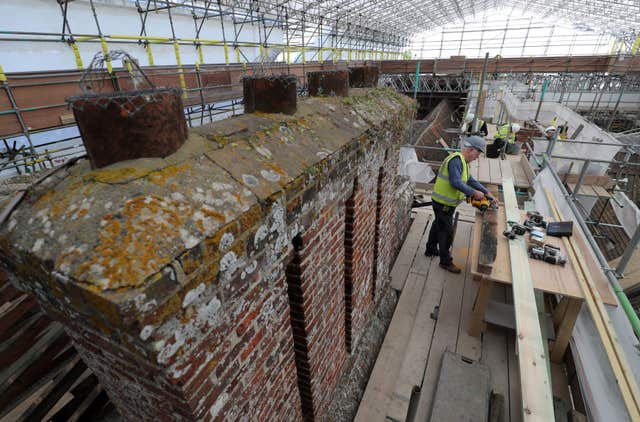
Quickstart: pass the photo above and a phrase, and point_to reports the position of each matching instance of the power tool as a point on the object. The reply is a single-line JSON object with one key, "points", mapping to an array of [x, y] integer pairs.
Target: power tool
{"points": [[535, 219], [547, 253], [482, 204], [516, 229]]}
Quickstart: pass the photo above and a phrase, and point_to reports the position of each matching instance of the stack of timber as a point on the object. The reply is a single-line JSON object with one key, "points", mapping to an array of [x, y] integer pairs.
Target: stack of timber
{"points": [[41, 375]]}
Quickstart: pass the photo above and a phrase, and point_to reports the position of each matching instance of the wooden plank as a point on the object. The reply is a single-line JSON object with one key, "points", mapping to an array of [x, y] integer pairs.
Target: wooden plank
{"points": [[528, 170], [515, 394], [442, 143], [417, 351], [519, 177], [494, 170], [604, 181], [488, 242], [381, 384], [621, 371], [537, 399], [467, 345], [565, 328], [446, 330], [515, 398], [484, 172], [600, 191], [408, 251], [585, 190], [421, 263], [505, 169], [503, 314]]}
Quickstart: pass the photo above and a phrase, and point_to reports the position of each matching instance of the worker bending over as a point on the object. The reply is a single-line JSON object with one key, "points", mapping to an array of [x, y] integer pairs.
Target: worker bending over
{"points": [[507, 133], [453, 184], [467, 128]]}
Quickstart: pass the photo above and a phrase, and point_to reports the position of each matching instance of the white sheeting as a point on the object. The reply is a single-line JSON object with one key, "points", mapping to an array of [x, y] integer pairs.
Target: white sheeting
{"points": [[410, 166], [601, 394]]}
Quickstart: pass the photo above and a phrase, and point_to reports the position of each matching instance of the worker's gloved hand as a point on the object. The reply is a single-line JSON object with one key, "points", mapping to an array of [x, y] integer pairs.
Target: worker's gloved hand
{"points": [[477, 195]]}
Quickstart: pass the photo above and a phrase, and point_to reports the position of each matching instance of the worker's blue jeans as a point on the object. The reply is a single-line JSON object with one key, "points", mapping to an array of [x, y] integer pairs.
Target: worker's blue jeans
{"points": [[441, 233]]}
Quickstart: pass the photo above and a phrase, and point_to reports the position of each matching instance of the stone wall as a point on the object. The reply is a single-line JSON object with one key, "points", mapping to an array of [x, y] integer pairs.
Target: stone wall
{"points": [[231, 279]]}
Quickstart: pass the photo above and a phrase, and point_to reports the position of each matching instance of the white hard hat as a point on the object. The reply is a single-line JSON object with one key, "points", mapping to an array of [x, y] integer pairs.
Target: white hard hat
{"points": [[550, 128], [515, 127], [468, 118]]}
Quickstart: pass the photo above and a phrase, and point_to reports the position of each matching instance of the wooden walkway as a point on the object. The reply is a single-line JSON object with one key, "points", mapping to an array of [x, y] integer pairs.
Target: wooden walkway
{"points": [[493, 170], [432, 316]]}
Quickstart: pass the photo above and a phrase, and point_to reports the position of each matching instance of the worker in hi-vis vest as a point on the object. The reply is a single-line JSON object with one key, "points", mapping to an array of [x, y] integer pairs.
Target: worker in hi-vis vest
{"points": [[453, 185], [509, 129], [467, 128]]}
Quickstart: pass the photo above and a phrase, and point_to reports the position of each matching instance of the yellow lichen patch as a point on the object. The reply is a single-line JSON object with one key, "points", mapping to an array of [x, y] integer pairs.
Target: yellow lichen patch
{"points": [[218, 138], [160, 177], [45, 199], [116, 175], [277, 168], [130, 243], [59, 205], [208, 212]]}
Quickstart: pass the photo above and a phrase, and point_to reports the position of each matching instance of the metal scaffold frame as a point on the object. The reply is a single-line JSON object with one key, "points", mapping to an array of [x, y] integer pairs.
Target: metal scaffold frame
{"points": [[295, 36]]}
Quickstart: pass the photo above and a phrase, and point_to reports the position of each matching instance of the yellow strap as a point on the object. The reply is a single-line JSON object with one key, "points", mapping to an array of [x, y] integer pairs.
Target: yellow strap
{"points": [[238, 54], [201, 54], [613, 47], [183, 84], [266, 54], [3, 77], [320, 58], [129, 67], [149, 54], [348, 55], [636, 44], [304, 61], [76, 53], [261, 53], [105, 51], [288, 55]]}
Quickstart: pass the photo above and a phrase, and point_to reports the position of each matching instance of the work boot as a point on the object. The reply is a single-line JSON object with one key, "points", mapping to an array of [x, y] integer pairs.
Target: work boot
{"points": [[451, 267]]}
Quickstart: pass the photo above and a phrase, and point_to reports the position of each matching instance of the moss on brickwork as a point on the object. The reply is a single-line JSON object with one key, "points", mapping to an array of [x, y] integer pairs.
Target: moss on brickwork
{"points": [[114, 228]]}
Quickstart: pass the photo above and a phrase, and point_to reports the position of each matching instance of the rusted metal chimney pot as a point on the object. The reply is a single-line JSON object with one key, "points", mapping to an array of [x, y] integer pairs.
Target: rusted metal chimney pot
{"points": [[363, 77], [328, 83], [270, 94], [126, 125]]}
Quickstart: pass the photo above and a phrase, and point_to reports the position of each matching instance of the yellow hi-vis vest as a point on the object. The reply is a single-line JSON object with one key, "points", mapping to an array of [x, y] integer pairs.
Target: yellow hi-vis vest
{"points": [[443, 192], [502, 133], [469, 126]]}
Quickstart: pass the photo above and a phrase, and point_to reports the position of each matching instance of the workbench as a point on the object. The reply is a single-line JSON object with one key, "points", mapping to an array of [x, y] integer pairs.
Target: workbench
{"points": [[556, 279]]}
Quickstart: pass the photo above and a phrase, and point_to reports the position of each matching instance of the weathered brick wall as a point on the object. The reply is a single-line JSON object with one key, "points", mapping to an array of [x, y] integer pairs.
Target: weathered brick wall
{"points": [[211, 284]]}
